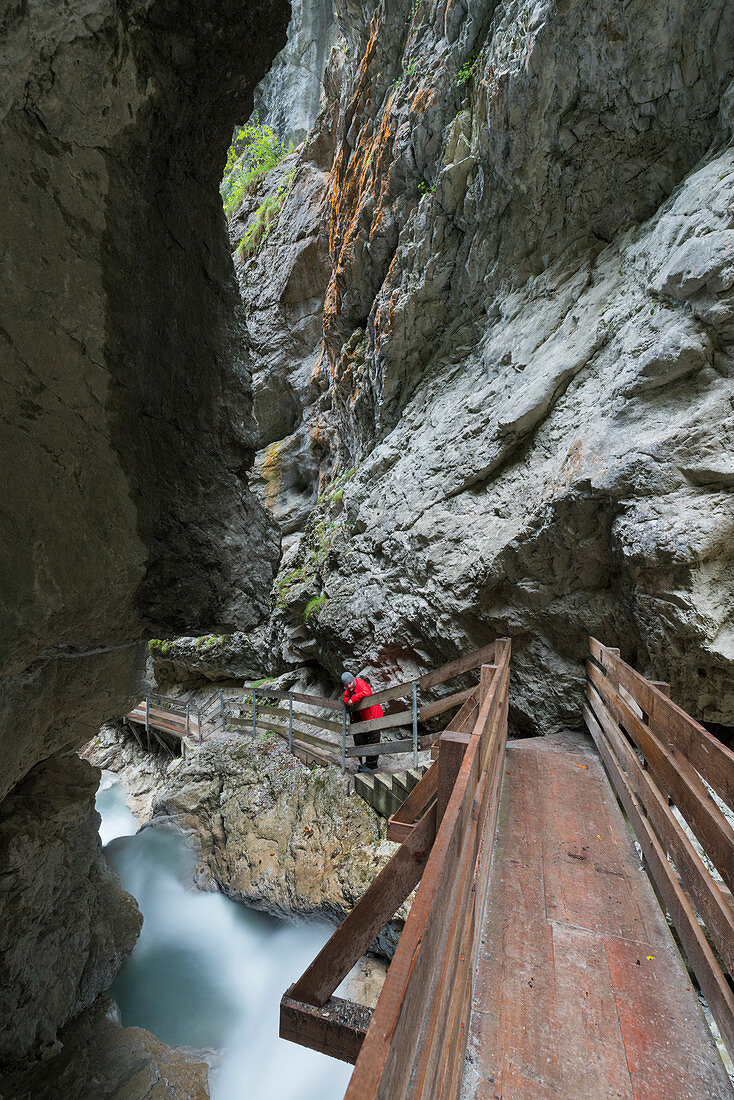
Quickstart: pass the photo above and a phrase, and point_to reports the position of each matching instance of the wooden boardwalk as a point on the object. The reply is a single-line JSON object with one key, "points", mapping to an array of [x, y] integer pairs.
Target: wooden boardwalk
{"points": [[580, 991], [536, 961]]}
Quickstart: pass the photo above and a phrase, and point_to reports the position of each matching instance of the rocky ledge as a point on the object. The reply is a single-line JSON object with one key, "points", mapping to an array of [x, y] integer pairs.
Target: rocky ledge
{"points": [[269, 831]]}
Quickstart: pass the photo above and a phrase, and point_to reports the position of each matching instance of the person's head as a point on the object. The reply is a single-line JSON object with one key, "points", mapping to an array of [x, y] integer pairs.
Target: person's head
{"points": [[347, 679]]}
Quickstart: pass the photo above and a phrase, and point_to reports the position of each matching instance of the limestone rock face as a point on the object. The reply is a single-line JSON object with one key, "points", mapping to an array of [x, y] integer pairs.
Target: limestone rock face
{"points": [[288, 98], [96, 1058], [126, 423], [125, 418], [66, 925], [525, 349], [271, 831]]}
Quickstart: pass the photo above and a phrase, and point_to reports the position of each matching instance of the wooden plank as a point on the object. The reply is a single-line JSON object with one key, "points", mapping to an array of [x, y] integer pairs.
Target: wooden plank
{"points": [[402, 999], [453, 748], [269, 725], [458, 667], [419, 798], [374, 909], [677, 729], [676, 778], [388, 721], [299, 697], [338, 1029], [714, 908], [451, 960], [695, 944], [298, 715], [430, 710], [390, 748]]}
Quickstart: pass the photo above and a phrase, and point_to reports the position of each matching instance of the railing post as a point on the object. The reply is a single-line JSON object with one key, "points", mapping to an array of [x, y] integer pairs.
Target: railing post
{"points": [[254, 711], [344, 737], [188, 710], [290, 721], [147, 719], [415, 723], [198, 718]]}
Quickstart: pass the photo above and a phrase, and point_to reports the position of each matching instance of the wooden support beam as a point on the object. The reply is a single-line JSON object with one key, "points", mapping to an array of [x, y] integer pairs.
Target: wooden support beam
{"points": [[401, 824], [453, 747], [359, 928], [338, 1029]]}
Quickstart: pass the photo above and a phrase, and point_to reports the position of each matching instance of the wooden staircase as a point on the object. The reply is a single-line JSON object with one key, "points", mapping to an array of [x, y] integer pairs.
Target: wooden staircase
{"points": [[385, 792]]}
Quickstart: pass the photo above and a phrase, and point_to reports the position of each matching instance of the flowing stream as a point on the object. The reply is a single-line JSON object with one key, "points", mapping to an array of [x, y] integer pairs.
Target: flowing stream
{"points": [[209, 972]]}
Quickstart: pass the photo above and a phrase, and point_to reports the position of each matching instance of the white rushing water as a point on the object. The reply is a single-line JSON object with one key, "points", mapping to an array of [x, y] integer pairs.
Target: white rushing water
{"points": [[208, 972]]}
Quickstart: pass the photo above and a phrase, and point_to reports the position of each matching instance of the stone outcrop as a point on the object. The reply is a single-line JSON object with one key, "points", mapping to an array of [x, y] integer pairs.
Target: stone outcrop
{"points": [[272, 832], [95, 1057], [517, 330], [66, 925], [126, 421]]}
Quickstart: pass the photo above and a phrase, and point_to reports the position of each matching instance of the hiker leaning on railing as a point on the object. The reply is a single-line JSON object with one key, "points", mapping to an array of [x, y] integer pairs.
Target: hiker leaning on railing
{"points": [[355, 690]]}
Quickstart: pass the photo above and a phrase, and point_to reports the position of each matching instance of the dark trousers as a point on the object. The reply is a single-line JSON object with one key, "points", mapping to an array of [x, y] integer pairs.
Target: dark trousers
{"points": [[372, 737]]}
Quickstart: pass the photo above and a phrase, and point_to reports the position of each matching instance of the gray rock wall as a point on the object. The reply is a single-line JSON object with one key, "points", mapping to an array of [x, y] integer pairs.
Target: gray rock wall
{"points": [[525, 349], [66, 925], [126, 418], [289, 97]]}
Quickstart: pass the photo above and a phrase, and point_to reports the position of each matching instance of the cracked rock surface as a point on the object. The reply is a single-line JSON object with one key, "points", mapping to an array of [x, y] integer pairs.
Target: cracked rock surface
{"points": [[505, 393], [126, 429]]}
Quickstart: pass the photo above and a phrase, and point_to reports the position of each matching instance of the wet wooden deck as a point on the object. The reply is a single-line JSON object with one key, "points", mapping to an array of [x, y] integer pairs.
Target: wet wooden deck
{"points": [[580, 990]]}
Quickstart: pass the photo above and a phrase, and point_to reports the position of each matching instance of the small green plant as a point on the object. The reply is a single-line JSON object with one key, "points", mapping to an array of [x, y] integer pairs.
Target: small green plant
{"points": [[266, 217], [313, 607], [254, 151], [158, 645], [426, 188], [466, 72]]}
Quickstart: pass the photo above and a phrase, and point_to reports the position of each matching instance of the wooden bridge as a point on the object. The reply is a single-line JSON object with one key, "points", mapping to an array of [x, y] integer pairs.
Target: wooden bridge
{"points": [[536, 960]]}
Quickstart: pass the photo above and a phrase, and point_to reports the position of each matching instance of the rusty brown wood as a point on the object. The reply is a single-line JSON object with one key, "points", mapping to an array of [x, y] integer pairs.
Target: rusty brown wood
{"points": [[566, 1003], [430, 710], [401, 823], [711, 903], [298, 716], [453, 747], [338, 1029], [678, 731], [701, 957], [388, 1054], [449, 671], [359, 928], [676, 778], [321, 701], [388, 721]]}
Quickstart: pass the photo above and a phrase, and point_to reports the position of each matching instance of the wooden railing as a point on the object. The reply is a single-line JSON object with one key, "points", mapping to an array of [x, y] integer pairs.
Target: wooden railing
{"points": [[315, 725], [676, 783], [414, 1042]]}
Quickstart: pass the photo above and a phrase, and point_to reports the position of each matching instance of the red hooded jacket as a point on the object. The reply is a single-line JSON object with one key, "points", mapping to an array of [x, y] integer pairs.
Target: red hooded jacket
{"points": [[360, 691]]}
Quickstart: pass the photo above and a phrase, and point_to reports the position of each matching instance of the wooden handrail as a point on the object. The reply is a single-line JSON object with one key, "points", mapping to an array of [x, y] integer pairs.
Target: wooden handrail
{"points": [[415, 1016], [678, 754]]}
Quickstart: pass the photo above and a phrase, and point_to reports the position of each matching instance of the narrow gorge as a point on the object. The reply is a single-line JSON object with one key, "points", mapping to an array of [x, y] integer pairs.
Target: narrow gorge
{"points": [[334, 336]]}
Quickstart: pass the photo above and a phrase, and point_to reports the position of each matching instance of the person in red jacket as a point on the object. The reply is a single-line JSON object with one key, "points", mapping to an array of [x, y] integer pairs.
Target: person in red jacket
{"points": [[355, 690]]}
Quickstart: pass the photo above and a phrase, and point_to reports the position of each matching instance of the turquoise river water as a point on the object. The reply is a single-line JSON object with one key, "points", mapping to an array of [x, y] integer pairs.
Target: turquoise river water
{"points": [[209, 972]]}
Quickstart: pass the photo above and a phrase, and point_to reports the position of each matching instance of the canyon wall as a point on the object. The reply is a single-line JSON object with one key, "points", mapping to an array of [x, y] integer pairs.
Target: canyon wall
{"points": [[126, 420], [492, 348]]}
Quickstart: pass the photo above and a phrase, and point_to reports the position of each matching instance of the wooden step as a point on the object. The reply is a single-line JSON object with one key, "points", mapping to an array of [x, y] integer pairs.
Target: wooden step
{"points": [[385, 792]]}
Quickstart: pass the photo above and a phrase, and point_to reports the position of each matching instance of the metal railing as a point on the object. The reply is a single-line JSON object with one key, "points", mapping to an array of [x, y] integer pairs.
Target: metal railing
{"points": [[309, 721]]}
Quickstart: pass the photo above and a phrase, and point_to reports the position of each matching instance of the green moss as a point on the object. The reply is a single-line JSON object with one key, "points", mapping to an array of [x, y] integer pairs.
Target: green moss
{"points": [[266, 217], [313, 607], [159, 646]]}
